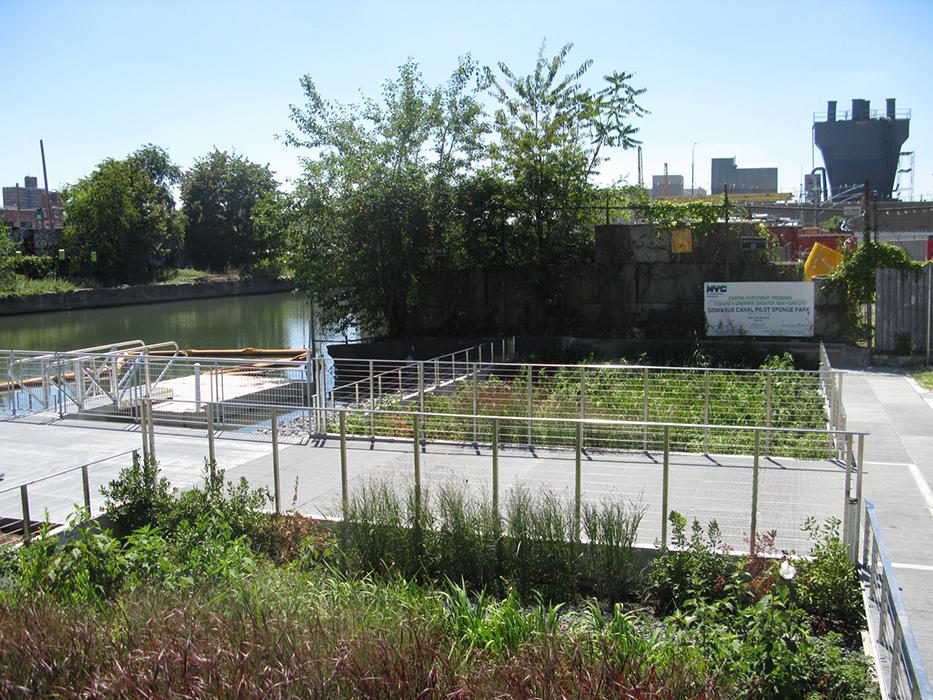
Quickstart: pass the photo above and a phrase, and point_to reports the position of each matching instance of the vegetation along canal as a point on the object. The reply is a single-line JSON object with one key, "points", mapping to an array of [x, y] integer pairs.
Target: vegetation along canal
{"points": [[260, 321]]}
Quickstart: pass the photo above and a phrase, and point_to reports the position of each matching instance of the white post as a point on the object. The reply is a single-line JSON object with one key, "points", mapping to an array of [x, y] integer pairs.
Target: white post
{"points": [[79, 385], [197, 386]]}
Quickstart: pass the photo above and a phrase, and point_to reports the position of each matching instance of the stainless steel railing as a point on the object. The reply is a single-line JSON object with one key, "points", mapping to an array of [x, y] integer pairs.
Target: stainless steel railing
{"points": [[901, 673]]}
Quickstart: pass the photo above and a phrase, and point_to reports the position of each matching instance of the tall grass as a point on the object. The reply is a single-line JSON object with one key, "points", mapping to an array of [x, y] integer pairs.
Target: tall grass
{"points": [[531, 546], [736, 398]]}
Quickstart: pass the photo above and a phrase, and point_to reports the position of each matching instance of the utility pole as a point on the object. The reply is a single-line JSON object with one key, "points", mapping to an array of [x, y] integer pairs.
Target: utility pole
{"points": [[866, 238], [693, 190], [48, 196]]}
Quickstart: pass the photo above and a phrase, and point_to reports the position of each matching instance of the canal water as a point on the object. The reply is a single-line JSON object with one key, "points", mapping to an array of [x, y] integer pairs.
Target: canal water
{"points": [[258, 321]]}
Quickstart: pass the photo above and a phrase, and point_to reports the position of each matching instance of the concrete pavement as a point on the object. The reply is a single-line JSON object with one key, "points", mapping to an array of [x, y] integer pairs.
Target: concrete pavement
{"points": [[899, 461]]}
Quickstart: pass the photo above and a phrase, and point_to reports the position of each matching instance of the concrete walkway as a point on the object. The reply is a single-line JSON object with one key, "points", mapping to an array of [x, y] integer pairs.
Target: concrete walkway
{"points": [[701, 487], [899, 461]]}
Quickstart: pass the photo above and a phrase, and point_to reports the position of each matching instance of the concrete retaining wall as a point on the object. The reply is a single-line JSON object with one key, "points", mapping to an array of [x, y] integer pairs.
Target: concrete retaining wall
{"points": [[635, 287], [140, 294]]}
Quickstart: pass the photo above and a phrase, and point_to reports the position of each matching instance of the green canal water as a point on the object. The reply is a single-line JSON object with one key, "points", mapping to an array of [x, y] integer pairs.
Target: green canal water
{"points": [[259, 321]]}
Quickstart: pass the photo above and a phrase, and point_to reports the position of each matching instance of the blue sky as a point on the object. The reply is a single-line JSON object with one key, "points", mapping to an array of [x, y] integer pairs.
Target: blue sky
{"points": [[97, 79]]}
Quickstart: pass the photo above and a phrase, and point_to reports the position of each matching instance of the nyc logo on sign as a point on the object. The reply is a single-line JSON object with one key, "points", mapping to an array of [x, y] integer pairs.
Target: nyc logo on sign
{"points": [[715, 288]]}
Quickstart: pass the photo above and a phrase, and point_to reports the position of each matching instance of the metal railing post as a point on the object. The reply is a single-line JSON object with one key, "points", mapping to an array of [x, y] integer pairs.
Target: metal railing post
{"points": [[860, 452], [152, 447], [24, 498], [114, 382], [582, 399], [401, 390], [644, 412], [665, 484], [144, 428], [197, 386], [372, 405], [865, 532], [475, 398], [577, 483], [437, 373], [753, 538], [344, 476], [495, 468], [210, 434], [895, 653], [768, 413], [79, 385], [479, 355], [530, 405], [416, 442], [421, 386], [846, 518], [492, 351], [706, 411], [86, 489], [275, 463]]}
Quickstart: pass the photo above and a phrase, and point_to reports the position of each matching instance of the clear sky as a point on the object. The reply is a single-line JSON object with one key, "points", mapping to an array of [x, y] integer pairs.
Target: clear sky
{"points": [[97, 79]]}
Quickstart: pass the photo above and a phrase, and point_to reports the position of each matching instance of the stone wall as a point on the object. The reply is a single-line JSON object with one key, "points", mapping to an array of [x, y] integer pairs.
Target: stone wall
{"points": [[635, 287]]}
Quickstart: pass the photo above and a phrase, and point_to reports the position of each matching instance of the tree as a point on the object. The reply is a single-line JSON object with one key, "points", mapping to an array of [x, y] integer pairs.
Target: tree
{"points": [[8, 250], [376, 204], [553, 133], [124, 211], [220, 194]]}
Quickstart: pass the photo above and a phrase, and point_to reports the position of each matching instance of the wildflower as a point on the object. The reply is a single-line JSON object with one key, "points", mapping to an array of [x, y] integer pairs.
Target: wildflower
{"points": [[787, 570]]}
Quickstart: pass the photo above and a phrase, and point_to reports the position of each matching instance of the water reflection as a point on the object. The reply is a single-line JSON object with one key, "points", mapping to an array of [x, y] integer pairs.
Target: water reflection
{"points": [[260, 321]]}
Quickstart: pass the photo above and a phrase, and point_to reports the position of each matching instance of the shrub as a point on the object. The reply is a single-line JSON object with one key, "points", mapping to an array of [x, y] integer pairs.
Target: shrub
{"points": [[35, 267], [138, 496], [827, 585], [696, 568]]}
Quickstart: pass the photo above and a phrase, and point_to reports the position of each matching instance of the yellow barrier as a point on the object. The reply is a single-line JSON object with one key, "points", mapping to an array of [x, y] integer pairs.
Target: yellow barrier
{"points": [[821, 261]]}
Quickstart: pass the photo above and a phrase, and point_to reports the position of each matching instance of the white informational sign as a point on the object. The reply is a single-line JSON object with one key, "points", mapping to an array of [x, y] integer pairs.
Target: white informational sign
{"points": [[759, 308]]}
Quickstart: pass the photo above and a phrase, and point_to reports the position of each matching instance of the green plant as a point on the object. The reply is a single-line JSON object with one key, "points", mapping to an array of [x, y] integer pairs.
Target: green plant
{"points": [[233, 503], [826, 583], [695, 568], [611, 560], [138, 496]]}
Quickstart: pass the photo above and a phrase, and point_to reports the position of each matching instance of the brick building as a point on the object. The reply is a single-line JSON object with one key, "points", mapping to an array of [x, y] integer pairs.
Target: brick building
{"points": [[26, 211]]}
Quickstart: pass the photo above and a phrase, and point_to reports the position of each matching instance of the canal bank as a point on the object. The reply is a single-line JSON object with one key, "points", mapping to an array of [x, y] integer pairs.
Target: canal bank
{"points": [[139, 294]]}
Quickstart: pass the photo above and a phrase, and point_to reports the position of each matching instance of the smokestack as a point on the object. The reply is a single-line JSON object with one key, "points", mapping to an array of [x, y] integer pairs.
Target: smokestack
{"points": [[861, 110], [891, 111], [831, 111]]}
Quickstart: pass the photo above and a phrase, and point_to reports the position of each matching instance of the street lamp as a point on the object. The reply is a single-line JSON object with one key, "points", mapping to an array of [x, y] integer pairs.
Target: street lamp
{"points": [[693, 190]]}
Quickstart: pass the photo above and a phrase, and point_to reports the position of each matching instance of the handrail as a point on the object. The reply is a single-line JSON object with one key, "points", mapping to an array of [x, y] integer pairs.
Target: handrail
{"points": [[546, 365], [520, 419], [395, 370], [65, 471], [903, 648]]}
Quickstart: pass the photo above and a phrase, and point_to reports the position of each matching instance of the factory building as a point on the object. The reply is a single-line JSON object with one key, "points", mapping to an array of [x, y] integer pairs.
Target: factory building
{"points": [[673, 187], [861, 146], [725, 173]]}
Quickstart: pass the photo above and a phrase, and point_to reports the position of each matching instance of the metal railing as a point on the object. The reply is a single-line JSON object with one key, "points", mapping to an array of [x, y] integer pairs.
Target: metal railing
{"points": [[831, 385], [45, 498], [900, 673], [700, 396], [366, 381], [662, 472]]}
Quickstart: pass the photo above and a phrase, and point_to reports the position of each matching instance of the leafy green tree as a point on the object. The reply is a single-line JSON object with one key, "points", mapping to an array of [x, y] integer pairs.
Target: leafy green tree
{"points": [[553, 133], [8, 250], [376, 205], [124, 211], [220, 194]]}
